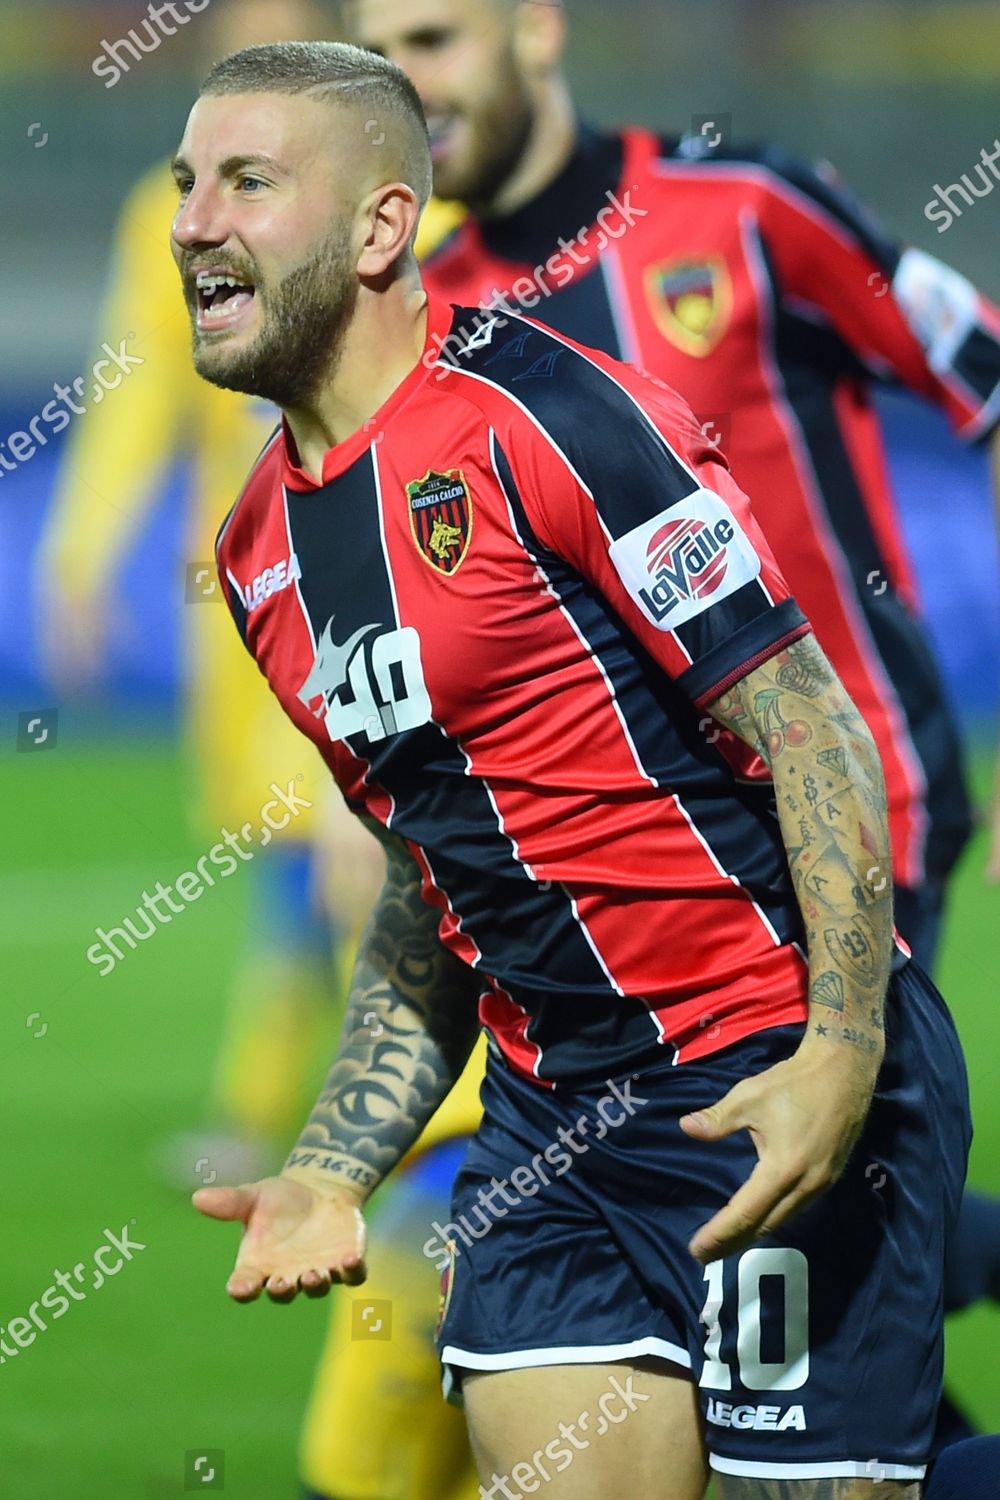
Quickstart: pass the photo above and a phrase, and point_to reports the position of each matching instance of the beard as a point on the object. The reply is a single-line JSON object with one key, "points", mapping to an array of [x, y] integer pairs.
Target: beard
{"points": [[500, 128], [298, 346]]}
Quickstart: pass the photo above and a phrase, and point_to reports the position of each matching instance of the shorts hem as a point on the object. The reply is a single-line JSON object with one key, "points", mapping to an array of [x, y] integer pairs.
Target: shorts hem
{"points": [[837, 1468], [564, 1354]]}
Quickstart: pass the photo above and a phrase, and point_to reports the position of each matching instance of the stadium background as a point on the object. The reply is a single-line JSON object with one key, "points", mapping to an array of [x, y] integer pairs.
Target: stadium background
{"points": [[110, 1399]]}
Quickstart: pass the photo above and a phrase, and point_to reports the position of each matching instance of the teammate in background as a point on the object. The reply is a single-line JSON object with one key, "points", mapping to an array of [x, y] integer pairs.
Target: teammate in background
{"points": [[755, 285], [489, 673]]}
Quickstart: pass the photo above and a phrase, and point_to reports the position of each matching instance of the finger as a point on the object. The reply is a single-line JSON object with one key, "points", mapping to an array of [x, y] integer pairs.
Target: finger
{"points": [[245, 1285], [280, 1289], [717, 1120], [225, 1202], [352, 1271], [315, 1283], [793, 1203], [740, 1222]]}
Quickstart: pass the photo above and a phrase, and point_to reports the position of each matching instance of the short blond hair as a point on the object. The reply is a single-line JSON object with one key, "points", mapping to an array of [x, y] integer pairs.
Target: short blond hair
{"points": [[364, 81]]}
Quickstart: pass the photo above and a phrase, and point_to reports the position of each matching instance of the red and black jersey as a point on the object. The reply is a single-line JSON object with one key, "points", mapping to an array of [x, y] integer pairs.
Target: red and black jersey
{"points": [[500, 615], [757, 287]]}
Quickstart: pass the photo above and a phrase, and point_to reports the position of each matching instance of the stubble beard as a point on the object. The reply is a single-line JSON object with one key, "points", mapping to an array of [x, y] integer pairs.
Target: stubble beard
{"points": [[502, 130], [298, 346]]}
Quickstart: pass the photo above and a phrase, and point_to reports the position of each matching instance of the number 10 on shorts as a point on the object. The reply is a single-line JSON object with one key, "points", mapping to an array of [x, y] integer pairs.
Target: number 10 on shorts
{"points": [[790, 1372]]}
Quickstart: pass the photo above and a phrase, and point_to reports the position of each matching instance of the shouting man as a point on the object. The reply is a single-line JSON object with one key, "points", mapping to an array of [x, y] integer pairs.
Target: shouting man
{"points": [[635, 828]]}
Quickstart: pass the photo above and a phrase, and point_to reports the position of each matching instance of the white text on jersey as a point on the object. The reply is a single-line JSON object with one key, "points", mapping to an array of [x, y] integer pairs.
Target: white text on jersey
{"points": [[271, 581]]}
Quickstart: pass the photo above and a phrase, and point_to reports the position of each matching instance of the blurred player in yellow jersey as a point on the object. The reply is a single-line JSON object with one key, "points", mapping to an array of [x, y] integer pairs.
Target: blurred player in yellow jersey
{"points": [[112, 474], [378, 1427]]}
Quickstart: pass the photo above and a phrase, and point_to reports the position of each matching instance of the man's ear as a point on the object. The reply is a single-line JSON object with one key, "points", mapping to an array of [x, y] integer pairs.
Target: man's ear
{"points": [[391, 214], [540, 35]]}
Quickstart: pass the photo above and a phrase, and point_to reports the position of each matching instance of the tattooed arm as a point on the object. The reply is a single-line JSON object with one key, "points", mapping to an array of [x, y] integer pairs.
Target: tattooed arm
{"points": [[410, 1026], [831, 803], [831, 799]]}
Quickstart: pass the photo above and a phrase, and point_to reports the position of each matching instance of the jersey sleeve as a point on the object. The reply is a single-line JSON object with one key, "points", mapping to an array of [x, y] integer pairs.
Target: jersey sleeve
{"points": [[619, 482], [231, 591], [904, 314]]}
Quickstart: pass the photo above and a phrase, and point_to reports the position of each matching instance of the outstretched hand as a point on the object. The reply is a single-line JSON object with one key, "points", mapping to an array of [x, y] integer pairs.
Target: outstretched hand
{"points": [[294, 1238]]}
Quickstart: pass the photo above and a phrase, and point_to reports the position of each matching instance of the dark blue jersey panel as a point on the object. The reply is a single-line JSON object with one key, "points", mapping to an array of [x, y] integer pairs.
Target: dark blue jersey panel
{"points": [[754, 637], [615, 448], [976, 364], [582, 311]]}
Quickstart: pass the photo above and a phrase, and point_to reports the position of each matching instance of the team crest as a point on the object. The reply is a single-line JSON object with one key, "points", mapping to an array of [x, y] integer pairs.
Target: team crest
{"points": [[441, 518], [692, 301]]}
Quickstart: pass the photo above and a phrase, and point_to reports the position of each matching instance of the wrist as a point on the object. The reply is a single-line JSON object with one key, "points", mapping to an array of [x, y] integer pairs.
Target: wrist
{"points": [[331, 1177], [842, 1048]]}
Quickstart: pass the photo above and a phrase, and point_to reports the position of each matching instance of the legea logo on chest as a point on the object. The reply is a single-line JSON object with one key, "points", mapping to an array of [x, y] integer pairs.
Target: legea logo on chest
{"points": [[271, 581]]}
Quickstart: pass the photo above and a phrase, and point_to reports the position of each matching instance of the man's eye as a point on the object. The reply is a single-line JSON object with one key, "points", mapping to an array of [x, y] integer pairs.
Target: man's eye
{"points": [[184, 185], [247, 184], [431, 39]]}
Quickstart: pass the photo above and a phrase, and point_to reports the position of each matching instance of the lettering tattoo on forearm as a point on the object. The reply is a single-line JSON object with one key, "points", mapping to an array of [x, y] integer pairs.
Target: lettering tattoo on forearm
{"points": [[409, 1028], [831, 802]]}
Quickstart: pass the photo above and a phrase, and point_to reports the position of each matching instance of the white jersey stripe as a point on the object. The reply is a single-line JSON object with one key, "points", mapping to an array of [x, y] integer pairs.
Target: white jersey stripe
{"points": [[621, 308]]}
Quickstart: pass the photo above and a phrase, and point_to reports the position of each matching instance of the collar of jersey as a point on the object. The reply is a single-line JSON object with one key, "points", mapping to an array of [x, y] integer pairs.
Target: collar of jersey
{"points": [[570, 202], [339, 458]]}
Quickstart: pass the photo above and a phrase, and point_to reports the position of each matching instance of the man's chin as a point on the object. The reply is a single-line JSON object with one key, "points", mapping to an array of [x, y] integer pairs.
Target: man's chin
{"points": [[219, 368], [453, 181], [223, 358], [464, 178]]}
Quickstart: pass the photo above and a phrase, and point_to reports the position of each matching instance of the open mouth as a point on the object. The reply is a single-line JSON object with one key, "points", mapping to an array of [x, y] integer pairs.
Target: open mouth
{"points": [[222, 298]]}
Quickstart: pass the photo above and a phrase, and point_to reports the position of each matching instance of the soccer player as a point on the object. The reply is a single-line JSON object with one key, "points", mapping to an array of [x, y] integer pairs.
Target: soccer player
{"points": [[633, 824]]}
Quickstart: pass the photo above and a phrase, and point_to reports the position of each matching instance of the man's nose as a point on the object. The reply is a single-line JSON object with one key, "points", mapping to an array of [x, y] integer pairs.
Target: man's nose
{"points": [[199, 220]]}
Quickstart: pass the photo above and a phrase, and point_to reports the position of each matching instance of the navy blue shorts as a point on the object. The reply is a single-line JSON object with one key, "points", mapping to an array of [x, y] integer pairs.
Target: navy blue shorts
{"points": [[817, 1353]]}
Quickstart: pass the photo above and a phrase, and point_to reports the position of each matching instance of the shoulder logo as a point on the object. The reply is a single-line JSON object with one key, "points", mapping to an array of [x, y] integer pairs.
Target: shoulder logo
{"points": [[441, 518], [679, 563], [691, 299]]}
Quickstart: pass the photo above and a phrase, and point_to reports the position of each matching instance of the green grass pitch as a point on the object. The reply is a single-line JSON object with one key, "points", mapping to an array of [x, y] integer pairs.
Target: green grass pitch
{"points": [[156, 1362]]}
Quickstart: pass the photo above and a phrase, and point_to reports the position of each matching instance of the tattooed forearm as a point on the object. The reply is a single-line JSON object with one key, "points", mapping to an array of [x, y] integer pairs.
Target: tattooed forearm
{"points": [[410, 1026], [732, 1488], [831, 803]]}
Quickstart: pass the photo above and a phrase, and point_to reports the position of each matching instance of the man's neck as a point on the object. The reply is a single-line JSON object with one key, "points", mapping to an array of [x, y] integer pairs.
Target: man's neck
{"points": [[383, 342], [549, 148]]}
